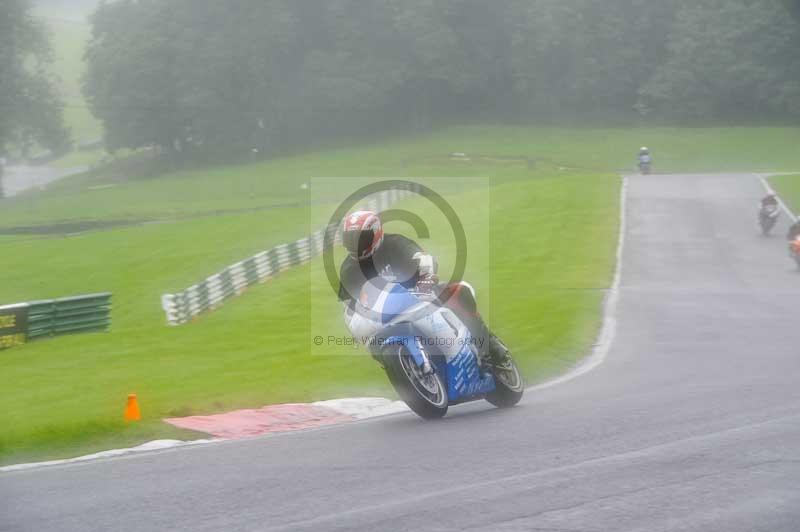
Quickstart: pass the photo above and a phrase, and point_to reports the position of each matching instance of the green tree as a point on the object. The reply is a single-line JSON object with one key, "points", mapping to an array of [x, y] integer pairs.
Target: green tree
{"points": [[729, 59], [585, 57], [185, 74], [30, 110], [206, 78], [793, 6], [132, 81]]}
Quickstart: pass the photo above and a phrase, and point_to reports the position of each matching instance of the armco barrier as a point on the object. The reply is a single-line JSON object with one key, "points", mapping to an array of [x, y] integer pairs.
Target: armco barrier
{"points": [[54, 317], [212, 292], [13, 325]]}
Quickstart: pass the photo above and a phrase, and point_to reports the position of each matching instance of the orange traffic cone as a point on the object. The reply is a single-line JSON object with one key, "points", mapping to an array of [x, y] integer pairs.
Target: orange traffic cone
{"points": [[132, 412]]}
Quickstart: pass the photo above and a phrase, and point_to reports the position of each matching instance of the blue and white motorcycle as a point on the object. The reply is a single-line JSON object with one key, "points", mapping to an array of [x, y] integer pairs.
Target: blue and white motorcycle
{"points": [[428, 353]]}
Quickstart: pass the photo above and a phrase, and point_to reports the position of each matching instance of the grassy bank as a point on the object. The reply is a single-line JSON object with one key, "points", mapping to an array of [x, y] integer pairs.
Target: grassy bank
{"points": [[788, 186], [64, 395], [550, 249], [112, 195]]}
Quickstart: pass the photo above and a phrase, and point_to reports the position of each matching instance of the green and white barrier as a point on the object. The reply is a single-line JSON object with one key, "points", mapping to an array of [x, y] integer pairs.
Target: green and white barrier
{"points": [[212, 292], [23, 322]]}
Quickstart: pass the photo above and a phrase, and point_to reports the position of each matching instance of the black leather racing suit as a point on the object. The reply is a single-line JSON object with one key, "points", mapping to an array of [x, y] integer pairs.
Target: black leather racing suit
{"points": [[393, 261]]}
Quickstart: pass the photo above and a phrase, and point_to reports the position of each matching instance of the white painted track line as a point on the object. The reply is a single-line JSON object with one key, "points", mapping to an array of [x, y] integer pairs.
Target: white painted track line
{"points": [[609, 330], [770, 190]]}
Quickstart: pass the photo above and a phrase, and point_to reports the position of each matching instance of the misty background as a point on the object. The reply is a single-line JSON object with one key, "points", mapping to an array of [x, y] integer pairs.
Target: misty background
{"points": [[209, 79]]}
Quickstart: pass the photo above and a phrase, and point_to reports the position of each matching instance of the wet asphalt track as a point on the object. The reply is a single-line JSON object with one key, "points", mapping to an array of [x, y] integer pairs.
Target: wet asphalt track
{"points": [[692, 423]]}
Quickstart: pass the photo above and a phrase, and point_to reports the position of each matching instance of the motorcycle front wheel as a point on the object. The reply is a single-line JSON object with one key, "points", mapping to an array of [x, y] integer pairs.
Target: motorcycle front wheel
{"points": [[425, 395], [509, 385]]}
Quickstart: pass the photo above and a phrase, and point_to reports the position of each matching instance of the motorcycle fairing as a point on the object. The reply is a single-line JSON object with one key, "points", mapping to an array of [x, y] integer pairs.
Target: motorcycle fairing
{"points": [[464, 378], [412, 343], [457, 361], [461, 373]]}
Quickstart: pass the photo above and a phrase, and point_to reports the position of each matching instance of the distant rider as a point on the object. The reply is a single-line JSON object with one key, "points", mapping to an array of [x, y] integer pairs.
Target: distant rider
{"points": [[770, 200], [794, 231], [644, 156], [373, 255]]}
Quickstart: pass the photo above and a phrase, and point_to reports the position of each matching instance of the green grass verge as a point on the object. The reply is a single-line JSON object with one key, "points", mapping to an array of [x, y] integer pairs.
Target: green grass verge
{"points": [[552, 237], [65, 396], [113, 195], [788, 186]]}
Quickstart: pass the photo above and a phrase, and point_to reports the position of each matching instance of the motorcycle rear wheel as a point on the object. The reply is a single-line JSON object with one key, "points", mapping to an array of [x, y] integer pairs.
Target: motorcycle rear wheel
{"points": [[509, 385], [425, 395]]}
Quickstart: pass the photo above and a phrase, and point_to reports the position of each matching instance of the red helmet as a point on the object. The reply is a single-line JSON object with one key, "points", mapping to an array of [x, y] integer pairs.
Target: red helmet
{"points": [[363, 234]]}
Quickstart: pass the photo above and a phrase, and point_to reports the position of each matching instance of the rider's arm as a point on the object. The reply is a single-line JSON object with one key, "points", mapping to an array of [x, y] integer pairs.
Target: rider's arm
{"points": [[400, 254]]}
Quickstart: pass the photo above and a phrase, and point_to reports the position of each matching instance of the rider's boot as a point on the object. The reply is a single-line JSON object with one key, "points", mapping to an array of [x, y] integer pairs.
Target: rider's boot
{"points": [[491, 351], [494, 353]]}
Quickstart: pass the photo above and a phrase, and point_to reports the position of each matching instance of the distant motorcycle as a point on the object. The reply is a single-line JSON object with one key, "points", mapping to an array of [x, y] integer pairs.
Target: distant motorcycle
{"points": [[429, 355], [768, 217], [794, 250], [645, 165]]}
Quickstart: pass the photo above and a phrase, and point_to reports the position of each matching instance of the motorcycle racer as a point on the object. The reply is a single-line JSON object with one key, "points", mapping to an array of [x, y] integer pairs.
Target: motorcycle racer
{"points": [[768, 213], [645, 161], [794, 232], [644, 155], [374, 256], [770, 200]]}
